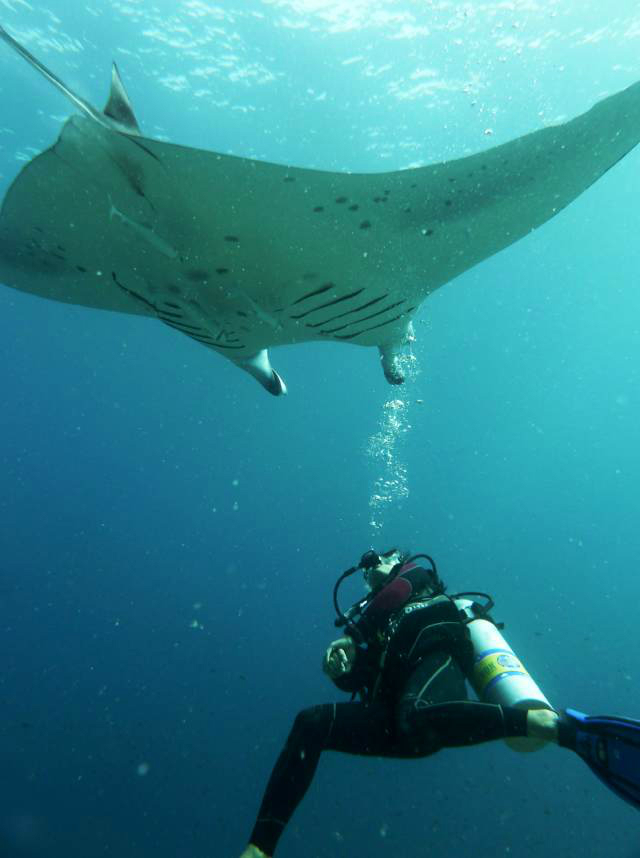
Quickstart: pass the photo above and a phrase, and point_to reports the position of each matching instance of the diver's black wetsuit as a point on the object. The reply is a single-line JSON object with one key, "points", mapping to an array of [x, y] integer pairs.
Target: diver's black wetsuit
{"points": [[410, 669]]}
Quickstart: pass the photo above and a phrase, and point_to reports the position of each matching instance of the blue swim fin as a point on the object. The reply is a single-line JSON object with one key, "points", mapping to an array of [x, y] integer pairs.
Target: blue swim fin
{"points": [[609, 745]]}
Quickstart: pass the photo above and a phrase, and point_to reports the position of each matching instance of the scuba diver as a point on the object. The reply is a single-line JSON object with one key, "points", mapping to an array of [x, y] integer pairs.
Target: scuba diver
{"points": [[407, 653]]}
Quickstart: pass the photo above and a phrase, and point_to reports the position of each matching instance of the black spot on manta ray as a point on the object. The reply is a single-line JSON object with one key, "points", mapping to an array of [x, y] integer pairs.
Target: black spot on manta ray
{"points": [[197, 275], [447, 202], [173, 289], [81, 269], [231, 238], [222, 270], [366, 224], [354, 207], [242, 313], [319, 209], [289, 179], [341, 200]]}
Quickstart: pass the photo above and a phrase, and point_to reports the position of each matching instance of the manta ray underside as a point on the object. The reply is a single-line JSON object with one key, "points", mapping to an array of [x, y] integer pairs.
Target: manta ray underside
{"points": [[242, 255]]}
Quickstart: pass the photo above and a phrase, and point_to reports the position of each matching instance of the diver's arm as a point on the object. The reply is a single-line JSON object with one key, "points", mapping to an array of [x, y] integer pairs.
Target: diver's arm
{"points": [[347, 664], [339, 657]]}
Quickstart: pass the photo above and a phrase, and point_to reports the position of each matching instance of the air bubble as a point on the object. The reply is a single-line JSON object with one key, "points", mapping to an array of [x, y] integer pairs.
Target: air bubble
{"points": [[391, 485]]}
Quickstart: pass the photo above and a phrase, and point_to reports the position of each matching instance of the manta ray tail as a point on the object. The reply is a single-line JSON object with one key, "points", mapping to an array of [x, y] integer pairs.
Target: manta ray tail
{"points": [[259, 366], [118, 113]]}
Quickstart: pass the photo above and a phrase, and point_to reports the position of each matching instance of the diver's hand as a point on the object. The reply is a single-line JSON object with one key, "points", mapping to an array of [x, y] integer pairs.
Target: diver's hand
{"points": [[339, 657]]}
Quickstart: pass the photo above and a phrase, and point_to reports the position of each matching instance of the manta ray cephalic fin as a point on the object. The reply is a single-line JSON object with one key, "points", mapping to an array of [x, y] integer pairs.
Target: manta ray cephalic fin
{"points": [[259, 366]]}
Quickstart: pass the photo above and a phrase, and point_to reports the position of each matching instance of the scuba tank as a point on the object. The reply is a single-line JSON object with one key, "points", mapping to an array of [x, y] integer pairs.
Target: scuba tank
{"points": [[498, 674]]}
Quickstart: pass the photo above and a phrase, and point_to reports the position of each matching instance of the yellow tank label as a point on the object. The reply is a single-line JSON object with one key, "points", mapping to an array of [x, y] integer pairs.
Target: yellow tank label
{"points": [[493, 665]]}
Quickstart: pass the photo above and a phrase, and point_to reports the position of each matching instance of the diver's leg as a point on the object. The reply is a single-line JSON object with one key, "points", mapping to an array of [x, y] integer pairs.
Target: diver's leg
{"points": [[459, 723], [353, 728]]}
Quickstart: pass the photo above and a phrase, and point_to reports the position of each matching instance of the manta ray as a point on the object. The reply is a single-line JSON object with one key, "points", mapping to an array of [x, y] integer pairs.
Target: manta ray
{"points": [[243, 255]]}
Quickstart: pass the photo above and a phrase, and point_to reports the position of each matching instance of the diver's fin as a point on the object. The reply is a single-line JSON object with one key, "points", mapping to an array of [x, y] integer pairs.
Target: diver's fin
{"points": [[609, 745]]}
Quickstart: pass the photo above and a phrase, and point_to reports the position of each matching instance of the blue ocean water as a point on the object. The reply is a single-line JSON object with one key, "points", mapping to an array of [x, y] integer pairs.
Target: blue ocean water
{"points": [[171, 534]]}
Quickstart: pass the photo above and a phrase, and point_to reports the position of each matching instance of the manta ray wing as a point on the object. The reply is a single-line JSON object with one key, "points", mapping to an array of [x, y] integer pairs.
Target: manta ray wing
{"points": [[243, 255]]}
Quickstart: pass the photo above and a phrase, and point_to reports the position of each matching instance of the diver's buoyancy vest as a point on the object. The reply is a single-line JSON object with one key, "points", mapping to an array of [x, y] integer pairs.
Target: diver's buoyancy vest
{"points": [[420, 627]]}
